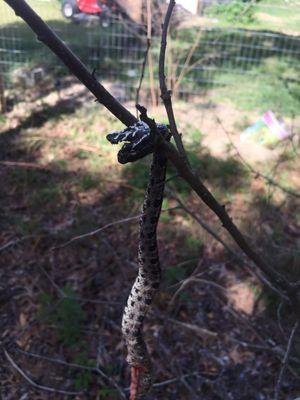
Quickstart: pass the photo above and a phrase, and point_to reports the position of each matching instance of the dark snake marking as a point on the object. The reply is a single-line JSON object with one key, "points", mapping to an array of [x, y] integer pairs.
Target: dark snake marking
{"points": [[139, 142]]}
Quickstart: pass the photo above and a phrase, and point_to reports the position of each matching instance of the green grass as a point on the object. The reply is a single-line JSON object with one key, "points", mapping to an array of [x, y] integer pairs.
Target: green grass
{"points": [[275, 86], [234, 12], [88, 182], [48, 10], [68, 317], [277, 16]]}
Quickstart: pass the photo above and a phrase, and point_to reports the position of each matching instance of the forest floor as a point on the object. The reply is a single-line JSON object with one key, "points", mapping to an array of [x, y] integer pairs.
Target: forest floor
{"points": [[213, 333]]}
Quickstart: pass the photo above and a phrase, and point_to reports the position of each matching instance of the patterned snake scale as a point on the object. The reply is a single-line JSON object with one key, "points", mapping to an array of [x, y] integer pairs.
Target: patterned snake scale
{"points": [[139, 141]]}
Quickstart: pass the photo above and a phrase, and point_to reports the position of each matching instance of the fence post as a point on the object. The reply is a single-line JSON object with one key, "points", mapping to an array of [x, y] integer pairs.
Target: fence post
{"points": [[2, 94]]}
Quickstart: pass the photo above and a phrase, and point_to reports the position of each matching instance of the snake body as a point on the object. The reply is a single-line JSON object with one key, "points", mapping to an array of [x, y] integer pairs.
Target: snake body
{"points": [[140, 142]]}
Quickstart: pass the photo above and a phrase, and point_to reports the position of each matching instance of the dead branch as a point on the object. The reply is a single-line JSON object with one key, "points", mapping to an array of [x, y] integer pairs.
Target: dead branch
{"points": [[102, 228], [96, 231], [21, 164], [192, 279], [14, 242], [34, 384], [62, 294], [96, 370], [137, 96], [165, 93], [285, 361]]}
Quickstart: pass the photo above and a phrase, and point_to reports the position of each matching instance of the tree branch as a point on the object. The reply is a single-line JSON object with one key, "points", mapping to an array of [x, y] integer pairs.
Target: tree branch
{"points": [[165, 93], [96, 370], [34, 384], [285, 361]]}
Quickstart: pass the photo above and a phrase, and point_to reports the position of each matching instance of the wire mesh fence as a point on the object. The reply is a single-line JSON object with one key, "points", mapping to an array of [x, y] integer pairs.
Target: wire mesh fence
{"points": [[204, 52]]}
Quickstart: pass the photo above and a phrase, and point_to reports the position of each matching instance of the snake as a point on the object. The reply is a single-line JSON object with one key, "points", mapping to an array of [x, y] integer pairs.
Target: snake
{"points": [[139, 141]]}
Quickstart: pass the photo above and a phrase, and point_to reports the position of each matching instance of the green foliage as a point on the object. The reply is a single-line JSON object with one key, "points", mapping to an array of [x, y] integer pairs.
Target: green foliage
{"points": [[2, 119], [88, 182], [46, 196], [174, 274], [23, 225], [60, 164], [68, 316], [193, 245], [83, 378], [81, 154], [177, 273], [46, 298], [107, 393], [28, 177], [235, 11], [184, 297], [137, 175], [165, 216], [196, 135]]}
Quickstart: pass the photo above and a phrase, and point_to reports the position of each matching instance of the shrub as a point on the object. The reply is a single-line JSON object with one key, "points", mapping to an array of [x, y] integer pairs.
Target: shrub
{"points": [[235, 11]]}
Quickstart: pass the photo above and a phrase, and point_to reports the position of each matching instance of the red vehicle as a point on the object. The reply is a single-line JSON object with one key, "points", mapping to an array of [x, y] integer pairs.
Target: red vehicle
{"points": [[76, 8]]}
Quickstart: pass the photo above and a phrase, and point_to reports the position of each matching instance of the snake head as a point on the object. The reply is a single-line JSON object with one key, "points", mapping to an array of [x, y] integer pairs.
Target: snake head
{"points": [[138, 141]]}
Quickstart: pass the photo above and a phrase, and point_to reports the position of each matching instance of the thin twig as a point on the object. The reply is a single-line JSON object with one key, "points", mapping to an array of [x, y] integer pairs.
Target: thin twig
{"points": [[102, 228], [137, 96], [56, 360], [28, 165], [96, 370], [34, 384], [188, 59], [204, 225], [169, 381], [279, 308], [14, 242], [150, 57], [165, 93], [147, 56], [96, 231], [74, 298], [53, 283], [192, 279], [202, 332], [285, 361], [172, 380]]}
